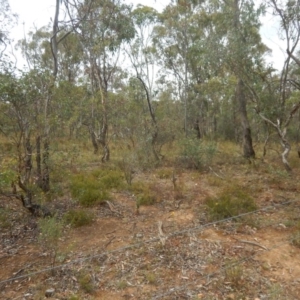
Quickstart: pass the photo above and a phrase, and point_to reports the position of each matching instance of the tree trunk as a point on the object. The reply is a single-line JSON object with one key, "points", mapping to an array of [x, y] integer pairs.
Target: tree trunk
{"points": [[248, 151], [93, 138], [38, 161], [46, 172]]}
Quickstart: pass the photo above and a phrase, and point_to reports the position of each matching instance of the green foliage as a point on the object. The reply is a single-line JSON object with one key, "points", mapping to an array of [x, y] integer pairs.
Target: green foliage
{"points": [[92, 188], [51, 231], [86, 283], [78, 217], [144, 194], [6, 178], [151, 277], [74, 297], [165, 173], [127, 165], [296, 239], [234, 275], [109, 179], [88, 190], [122, 285], [4, 219], [234, 200], [145, 199], [196, 154]]}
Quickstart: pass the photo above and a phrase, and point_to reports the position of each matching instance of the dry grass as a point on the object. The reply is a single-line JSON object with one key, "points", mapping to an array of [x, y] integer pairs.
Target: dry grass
{"points": [[210, 261]]}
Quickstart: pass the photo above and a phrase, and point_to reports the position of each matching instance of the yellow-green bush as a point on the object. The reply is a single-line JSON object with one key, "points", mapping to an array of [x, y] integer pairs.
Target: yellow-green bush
{"points": [[92, 188], [87, 190], [4, 219], [78, 217], [233, 201], [86, 283], [144, 194], [165, 173], [109, 179]]}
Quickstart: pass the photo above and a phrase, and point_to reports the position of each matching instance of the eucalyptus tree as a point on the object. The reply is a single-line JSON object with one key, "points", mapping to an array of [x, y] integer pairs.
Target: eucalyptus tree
{"points": [[244, 55], [142, 54], [190, 45], [101, 33], [283, 88], [7, 20]]}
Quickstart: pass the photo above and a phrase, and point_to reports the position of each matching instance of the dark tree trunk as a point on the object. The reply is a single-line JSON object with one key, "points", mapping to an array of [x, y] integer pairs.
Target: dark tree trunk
{"points": [[248, 151], [197, 129], [94, 139], [46, 172], [38, 161]]}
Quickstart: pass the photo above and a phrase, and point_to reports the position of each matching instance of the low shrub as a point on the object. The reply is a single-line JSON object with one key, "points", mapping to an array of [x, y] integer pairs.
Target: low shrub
{"points": [[231, 202], [295, 240], [144, 194], [88, 190], [196, 154], [146, 199], [78, 217], [165, 173], [4, 219], [86, 283], [51, 230]]}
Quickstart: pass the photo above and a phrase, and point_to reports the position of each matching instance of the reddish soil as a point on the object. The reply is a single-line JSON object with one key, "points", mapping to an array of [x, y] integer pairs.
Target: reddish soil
{"points": [[122, 255]]}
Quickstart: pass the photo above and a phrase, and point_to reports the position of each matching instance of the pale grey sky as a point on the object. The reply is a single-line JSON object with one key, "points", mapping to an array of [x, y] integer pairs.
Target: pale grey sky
{"points": [[36, 13]]}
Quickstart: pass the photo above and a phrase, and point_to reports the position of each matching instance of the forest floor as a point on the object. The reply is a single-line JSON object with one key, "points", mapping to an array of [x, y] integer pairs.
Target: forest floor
{"points": [[168, 250]]}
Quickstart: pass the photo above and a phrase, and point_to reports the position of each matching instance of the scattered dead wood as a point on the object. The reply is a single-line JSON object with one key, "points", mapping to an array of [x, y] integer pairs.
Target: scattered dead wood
{"points": [[112, 208], [252, 243], [161, 234]]}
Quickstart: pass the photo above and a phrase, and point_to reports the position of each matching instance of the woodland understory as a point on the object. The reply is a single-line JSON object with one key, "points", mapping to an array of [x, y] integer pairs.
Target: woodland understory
{"points": [[150, 154]]}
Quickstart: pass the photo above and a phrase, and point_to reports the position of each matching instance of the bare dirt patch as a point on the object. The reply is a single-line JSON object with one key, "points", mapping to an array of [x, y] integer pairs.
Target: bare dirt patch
{"points": [[124, 255]]}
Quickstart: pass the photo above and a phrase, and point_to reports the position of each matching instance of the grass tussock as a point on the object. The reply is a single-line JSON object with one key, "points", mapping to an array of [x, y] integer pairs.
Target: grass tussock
{"points": [[145, 194], [5, 222], [94, 188], [78, 217], [232, 201], [86, 283], [196, 154]]}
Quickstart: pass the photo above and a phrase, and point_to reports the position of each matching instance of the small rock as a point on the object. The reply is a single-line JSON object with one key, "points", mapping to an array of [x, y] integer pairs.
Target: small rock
{"points": [[49, 292], [139, 235], [27, 295]]}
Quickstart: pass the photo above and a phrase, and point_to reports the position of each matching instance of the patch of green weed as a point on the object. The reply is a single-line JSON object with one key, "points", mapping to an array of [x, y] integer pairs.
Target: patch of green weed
{"points": [[165, 173], [151, 277], [144, 194], [88, 190], [86, 283], [295, 240], [196, 154], [231, 202], [78, 218], [122, 285], [4, 219]]}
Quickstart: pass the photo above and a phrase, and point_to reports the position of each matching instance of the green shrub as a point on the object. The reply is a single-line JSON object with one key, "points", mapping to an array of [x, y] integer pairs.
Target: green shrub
{"points": [[109, 178], [112, 180], [78, 218], [151, 277], [196, 154], [4, 219], [165, 173], [231, 202], [295, 240], [88, 190], [146, 199], [144, 194], [86, 283], [50, 232]]}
